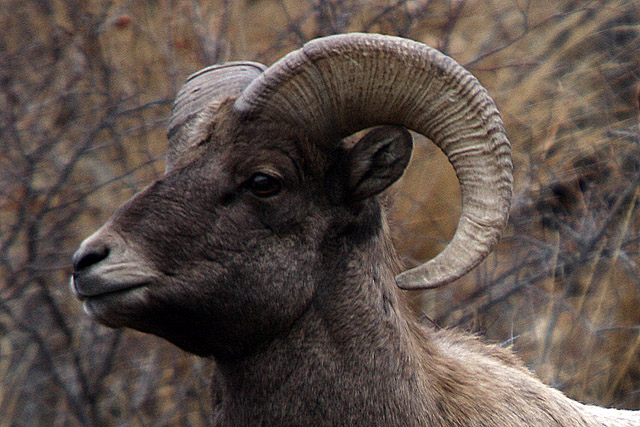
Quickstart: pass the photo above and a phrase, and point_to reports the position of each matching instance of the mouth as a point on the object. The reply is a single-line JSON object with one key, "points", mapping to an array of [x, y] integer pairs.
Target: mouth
{"points": [[109, 303], [86, 288]]}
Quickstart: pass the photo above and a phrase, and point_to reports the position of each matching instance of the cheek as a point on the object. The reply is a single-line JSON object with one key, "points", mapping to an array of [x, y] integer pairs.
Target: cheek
{"points": [[284, 279], [276, 282], [242, 277], [255, 295]]}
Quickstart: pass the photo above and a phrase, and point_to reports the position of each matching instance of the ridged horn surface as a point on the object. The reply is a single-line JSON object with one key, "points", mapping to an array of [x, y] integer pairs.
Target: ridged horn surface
{"points": [[201, 91], [338, 85]]}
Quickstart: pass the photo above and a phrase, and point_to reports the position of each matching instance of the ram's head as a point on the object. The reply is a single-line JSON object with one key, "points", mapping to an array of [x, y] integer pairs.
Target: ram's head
{"points": [[261, 200]]}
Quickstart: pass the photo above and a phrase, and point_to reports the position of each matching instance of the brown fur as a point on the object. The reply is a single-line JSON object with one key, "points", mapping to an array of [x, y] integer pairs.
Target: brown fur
{"points": [[294, 295]]}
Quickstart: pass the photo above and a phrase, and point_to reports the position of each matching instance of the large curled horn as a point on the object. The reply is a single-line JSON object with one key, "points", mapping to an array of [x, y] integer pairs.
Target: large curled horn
{"points": [[202, 90], [338, 85]]}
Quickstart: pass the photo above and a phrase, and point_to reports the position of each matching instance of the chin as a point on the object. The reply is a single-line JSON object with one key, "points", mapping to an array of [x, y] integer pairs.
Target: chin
{"points": [[118, 309]]}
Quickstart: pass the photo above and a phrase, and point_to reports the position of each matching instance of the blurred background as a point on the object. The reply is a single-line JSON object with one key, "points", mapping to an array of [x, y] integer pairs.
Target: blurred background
{"points": [[85, 91]]}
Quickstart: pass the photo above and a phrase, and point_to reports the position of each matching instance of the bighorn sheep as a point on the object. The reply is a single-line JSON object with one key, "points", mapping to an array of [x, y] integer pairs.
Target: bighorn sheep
{"points": [[265, 244]]}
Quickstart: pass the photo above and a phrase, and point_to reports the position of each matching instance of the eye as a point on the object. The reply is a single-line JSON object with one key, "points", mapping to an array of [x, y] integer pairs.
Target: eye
{"points": [[263, 185]]}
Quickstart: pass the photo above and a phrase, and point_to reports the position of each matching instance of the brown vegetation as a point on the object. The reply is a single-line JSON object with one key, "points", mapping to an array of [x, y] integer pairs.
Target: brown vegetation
{"points": [[86, 89]]}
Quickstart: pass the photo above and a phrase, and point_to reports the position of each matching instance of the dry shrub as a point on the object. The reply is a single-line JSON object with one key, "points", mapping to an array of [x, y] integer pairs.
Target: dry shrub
{"points": [[87, 87]]}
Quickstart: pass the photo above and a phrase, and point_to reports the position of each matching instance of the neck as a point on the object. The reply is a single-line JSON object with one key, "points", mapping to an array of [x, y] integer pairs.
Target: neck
{"points": [[348, 359], [356, 358]]}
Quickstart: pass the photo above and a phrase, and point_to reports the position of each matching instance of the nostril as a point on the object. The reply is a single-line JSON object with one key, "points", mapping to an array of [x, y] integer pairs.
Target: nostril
{"points": [[87, 259]]}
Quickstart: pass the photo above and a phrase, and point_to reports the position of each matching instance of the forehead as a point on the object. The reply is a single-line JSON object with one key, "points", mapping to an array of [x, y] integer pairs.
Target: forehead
{"points": [[221, 135], [260, 141], [268, 148]]}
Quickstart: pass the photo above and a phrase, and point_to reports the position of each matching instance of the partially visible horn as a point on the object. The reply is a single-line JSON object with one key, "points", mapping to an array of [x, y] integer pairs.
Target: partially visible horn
{"points": [[202, 90], [338, 85]]}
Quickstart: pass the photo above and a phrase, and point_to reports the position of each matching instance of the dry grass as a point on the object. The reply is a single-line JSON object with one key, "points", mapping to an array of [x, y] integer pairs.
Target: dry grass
{"points": [[86, 88]]}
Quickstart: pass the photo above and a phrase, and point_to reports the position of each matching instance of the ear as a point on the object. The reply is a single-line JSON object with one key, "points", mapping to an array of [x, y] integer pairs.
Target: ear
{"points": [[377, 161]]}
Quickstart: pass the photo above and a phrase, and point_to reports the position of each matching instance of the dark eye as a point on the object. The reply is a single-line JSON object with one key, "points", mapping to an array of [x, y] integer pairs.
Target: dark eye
{"points": [[264, 185]]}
